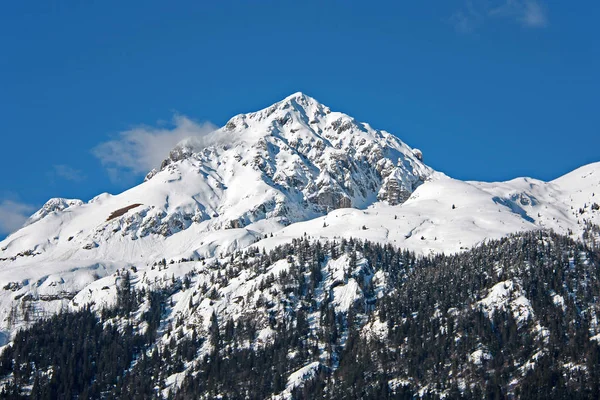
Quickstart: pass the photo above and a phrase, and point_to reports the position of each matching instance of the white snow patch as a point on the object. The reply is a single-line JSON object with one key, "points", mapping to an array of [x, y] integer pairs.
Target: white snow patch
{"points": [[298, 378], [507, 295], [478, 356]]}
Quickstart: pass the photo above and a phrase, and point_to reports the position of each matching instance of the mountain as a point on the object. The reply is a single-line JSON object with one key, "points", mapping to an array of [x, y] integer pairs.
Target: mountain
{"points": [[291, 169], [290, 162], [293, 161], [271, 218]]}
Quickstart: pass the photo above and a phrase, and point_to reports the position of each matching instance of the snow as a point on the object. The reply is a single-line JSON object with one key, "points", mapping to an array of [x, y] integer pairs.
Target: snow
{"points": [[345, 295], [295, 168], [297, 379], [559, 300], [425, 223], [299, 376], [478, 356], [397, 383], [51, 206], [265, 336], [530, 364], [508, 294], [377, 330], [448, 215], [255, 175]]}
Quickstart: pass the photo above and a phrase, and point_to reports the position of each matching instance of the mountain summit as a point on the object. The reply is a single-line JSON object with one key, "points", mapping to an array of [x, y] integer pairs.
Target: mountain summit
{"points": [[311, 156]]}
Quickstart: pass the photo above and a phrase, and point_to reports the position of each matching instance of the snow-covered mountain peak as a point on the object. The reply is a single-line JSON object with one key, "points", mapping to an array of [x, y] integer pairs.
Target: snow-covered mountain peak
{"points": [[301, 101], [298, 117], [301, 97], [250, 128], [299, 106], [302, 149], [53, 205], [292, 161]]}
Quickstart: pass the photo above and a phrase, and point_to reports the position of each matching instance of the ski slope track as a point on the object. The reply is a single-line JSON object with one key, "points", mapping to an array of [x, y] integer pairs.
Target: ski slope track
{"points": [[293, 169]]}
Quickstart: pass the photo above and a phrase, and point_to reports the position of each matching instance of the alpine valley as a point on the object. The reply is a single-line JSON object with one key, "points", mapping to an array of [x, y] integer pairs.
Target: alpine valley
{"points": [[296, 253]]}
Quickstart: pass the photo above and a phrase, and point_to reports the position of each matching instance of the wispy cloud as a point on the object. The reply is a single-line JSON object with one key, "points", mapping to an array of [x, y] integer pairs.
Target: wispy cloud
{"points": [[142, 148], [67, 172], [13, 215], [467, 19], [527, 13], [535, 15]]}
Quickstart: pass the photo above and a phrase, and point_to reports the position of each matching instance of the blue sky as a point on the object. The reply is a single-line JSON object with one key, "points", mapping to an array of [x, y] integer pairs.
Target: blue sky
{"points": [[91, 91]]}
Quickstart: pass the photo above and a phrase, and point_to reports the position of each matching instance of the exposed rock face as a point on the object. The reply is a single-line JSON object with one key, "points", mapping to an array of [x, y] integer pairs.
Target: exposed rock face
{"points": [[331, 199], [418, 153], [148, 220], [397, 187], [150, 174], [393, 191]]}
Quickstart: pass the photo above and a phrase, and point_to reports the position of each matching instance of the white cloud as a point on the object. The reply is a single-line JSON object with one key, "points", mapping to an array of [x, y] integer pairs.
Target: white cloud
{"points": [[534, 15], [140, 149], [468, 19], [528, 13], [13, 215], [68, 173]]}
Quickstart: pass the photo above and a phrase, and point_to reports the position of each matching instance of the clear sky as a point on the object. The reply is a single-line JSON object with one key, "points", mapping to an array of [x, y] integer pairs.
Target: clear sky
{"points": [[91, 91]]}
